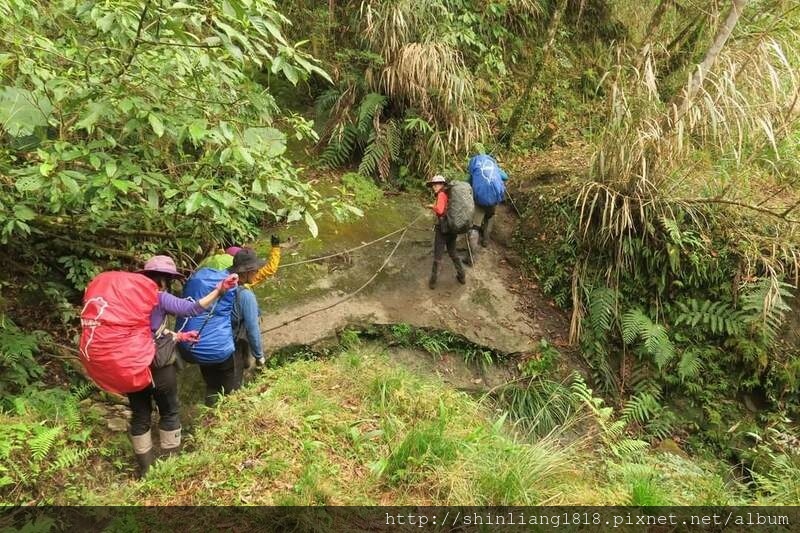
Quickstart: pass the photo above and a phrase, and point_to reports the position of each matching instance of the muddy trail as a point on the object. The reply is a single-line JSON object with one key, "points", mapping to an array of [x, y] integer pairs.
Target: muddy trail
{"points": [[496, 308]]}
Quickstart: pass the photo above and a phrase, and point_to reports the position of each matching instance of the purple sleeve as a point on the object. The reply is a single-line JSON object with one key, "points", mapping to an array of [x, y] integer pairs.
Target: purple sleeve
{"points": [[178, 306]]}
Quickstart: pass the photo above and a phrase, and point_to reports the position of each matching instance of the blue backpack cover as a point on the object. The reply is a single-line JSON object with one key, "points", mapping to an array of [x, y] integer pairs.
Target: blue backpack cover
{"points": [[216, 337], [486, 179]]}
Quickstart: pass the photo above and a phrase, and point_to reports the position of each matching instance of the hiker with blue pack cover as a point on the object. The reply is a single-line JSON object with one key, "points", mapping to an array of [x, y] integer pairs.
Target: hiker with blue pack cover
{"points": [[213, 352], [488, 186]]}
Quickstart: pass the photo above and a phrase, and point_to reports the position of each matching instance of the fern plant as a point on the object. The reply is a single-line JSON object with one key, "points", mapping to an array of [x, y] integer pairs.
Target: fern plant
{"points": [[764, 305], [636, 325], [719, 317], [613, 429]]}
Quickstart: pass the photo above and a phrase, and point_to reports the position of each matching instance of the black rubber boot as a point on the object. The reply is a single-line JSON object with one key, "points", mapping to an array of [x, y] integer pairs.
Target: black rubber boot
{"points": [[170, 441], [434, 275], [143, 449]]}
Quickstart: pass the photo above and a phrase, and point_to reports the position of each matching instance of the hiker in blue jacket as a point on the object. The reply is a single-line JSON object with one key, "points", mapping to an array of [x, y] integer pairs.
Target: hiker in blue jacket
{"points": [[488, 184], [245, 315]]}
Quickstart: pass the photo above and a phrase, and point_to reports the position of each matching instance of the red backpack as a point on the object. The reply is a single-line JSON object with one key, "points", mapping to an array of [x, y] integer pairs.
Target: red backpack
{"points": [[117, 345]]}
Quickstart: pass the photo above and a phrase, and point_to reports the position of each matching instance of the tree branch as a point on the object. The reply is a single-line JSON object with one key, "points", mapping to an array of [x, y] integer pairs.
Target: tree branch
{"points": [[136, 40], [782, 216]]}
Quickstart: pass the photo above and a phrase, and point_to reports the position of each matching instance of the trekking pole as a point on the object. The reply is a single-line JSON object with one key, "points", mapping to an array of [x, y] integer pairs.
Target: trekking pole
{"points": [[469, 250], [210, 314], [508, 195]]}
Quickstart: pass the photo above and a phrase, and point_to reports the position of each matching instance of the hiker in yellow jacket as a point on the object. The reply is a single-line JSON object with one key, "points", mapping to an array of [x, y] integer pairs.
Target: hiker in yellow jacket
{"points": [[224, 261]]}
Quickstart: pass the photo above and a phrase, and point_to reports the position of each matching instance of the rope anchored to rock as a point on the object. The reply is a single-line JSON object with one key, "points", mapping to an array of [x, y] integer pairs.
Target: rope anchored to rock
{"points": [[402, 232]]}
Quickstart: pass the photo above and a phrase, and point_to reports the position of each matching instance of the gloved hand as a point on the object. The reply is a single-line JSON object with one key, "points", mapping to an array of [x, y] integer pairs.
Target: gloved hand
{"points": [[275, 241], [191, 337], [228, 283]]}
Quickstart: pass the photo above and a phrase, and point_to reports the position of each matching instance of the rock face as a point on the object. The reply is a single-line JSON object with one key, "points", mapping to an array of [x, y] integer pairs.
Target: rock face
{"points": [[117, 424], [484, 310]]}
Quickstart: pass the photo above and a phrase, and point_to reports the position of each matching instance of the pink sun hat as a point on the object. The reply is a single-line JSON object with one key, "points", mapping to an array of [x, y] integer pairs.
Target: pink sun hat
{"points": [[232, 250], [161, 264]]}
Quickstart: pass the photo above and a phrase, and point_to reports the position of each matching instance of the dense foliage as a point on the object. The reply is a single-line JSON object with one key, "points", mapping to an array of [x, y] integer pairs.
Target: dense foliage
{"points": [[133, 122], [128, 127]]}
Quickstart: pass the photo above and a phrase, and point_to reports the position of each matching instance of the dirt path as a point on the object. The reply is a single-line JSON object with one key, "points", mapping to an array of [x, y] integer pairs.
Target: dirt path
{"points": [[492, 309]]}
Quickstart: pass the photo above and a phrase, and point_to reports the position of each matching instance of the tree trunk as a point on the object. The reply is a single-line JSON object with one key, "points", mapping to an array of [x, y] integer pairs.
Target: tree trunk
{"points": [[655, 20], [682, 103], [521, 109]]}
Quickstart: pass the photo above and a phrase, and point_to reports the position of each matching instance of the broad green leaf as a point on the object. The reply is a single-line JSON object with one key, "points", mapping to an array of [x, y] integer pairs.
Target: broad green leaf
{"points": [[111, 168], [270, 141], [245, 156], [95, 111], [311, 223], [291, 73], [29, 183], [258, 205], [194, 202], [23, 212], [197, 130], [294, 215], [21, 111], [156, 124]]}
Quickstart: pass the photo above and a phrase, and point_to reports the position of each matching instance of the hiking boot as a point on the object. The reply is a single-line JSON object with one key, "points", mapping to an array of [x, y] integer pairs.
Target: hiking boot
{"points": [[170, 440], [434, 275], [460, 274], [143, 449]]}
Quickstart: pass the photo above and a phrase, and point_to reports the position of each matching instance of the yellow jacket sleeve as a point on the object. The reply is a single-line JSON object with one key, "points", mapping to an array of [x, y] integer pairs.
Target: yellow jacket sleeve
{"points": [[270, 268]]}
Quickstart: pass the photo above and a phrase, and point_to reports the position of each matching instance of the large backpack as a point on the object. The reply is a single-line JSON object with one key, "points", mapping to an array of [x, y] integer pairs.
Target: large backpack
{"points": [[116, 345], [487, 182], [460, 207], [216, 332]]}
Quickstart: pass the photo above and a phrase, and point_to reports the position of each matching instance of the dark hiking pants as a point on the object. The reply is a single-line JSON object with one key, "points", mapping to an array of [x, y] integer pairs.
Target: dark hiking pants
{"points": [[220, 378], [441, 241], [164, 390]]}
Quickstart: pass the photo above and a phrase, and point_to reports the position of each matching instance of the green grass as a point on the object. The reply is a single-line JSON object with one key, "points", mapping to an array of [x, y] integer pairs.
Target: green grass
{"points": [[353, 429], [358, 429]]}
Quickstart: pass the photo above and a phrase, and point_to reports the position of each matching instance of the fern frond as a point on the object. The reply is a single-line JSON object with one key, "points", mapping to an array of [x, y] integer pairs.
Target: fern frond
{"points": [[628, 447], [719, 317], [602, 309], [69, 457], [43, 442], [369, 112], [340, 147], [690, 365], [640, 408], [327, 100], [634, 323], [372, 157], [671, 228], [764, 302]]}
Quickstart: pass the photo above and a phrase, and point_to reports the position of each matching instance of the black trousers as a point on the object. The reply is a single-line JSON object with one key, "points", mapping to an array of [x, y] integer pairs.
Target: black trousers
{"points": [[220, 378], [441, 241], [164, 390]]}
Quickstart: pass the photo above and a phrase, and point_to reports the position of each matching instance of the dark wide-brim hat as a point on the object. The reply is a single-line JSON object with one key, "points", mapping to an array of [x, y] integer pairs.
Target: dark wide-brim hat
{"points": [[245, 261]]}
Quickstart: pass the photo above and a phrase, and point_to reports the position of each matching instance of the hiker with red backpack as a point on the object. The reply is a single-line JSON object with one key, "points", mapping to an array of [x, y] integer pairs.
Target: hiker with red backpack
{"points": [[126, 347], [451, 209]]}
